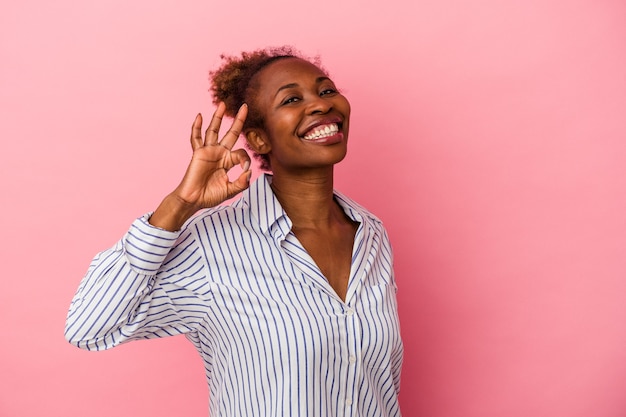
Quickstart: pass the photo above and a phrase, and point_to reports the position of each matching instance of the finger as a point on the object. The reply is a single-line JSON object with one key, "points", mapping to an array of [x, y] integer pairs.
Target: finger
{"points": [[240, 157], [233, 133], [196, 133], [213, 131], [241, 183]]}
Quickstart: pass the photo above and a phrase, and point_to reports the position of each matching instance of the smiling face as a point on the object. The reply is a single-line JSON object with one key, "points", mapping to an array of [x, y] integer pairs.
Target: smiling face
{"points": [[305, 118]]}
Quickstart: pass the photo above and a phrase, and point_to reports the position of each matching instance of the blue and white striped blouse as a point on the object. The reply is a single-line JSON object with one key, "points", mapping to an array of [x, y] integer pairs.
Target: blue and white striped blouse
{"points": [[275, 338]]}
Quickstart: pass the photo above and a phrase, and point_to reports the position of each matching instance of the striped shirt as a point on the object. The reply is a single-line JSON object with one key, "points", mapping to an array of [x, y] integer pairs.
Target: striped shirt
{"points": [[275, 338]]}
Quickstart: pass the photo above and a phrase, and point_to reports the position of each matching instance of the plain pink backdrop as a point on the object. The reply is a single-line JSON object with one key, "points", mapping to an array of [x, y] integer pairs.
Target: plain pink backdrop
{"points": [[489, 136]]}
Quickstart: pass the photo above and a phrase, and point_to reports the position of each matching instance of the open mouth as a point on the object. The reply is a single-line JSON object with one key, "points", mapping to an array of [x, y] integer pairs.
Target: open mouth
{"points": [[322, 131]]}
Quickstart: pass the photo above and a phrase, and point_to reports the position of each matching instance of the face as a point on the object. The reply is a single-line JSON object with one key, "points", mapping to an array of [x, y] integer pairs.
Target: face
{"points": [[305, 117]]}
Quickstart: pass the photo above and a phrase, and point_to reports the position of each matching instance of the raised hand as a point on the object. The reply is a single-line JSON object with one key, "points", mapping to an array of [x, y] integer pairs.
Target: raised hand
{"points": [[206, 182]]}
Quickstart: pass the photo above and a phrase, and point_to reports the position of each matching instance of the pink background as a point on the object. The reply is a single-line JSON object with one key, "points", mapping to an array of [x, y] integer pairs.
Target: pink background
{"points": [[490, 137]]}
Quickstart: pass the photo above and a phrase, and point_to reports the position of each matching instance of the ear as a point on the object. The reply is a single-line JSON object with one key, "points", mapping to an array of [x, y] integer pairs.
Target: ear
{"points": [[258, 142]]}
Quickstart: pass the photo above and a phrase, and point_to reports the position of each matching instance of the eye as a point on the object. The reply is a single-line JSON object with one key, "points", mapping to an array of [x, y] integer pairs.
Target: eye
{"points": [[327, 91], [290, 100]]}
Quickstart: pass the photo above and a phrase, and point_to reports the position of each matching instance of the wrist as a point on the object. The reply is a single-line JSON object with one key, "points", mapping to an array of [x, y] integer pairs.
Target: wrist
{"points": [[172, 213]]}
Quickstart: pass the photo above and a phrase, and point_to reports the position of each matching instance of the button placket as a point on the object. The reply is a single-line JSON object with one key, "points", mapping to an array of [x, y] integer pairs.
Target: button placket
{"points": [[352, 368]]}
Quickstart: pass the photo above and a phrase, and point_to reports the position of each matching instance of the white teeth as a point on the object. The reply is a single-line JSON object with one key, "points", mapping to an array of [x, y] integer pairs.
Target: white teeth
{"points": [[323, 131]]}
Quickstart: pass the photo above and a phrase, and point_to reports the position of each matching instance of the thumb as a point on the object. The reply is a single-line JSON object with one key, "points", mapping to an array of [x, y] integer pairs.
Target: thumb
{"points": [[241, 183]]}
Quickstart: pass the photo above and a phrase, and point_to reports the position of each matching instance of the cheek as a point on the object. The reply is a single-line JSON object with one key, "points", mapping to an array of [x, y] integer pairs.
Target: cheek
{"points": [[345, 106], [281, 126]]}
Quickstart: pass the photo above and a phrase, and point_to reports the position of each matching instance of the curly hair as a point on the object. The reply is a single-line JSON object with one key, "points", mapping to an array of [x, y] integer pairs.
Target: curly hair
{"points": [[232, 84]]}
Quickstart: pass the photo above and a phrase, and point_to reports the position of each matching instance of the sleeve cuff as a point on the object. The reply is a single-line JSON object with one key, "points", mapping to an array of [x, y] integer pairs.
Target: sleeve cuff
{"points": [[147, 246]]}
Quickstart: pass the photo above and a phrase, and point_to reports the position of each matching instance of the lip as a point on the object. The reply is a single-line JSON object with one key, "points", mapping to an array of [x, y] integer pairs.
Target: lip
{"points": [[326, 121]]}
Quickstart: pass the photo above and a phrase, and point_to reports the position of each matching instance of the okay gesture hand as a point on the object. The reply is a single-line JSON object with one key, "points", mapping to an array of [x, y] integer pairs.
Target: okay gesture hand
{"points": [[206, 183]]}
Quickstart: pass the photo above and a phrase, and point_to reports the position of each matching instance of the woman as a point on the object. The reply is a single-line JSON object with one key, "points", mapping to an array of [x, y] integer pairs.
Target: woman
{"points": [[288, 293]]}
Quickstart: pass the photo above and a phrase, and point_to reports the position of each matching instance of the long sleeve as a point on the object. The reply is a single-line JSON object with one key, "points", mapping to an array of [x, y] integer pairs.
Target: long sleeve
{"points": [[147, 285]]}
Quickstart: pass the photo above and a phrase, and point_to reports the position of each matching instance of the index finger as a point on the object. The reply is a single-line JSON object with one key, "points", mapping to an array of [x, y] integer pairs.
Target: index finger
{"points": [[233, 133], [196, 133]]}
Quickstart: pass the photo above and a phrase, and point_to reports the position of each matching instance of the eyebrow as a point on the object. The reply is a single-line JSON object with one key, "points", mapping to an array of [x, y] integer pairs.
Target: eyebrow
{"points": [[294, 85]]}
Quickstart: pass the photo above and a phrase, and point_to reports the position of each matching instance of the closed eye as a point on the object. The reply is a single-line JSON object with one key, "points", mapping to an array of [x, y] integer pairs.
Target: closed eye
{"points": [[291, 99]]}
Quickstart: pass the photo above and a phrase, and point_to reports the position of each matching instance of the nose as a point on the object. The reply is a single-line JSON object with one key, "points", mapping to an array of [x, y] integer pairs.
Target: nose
{"points": [[318, 105]]}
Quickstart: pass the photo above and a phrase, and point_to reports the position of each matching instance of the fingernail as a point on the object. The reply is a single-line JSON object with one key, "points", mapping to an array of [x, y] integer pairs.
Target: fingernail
{"points": [[246, 165]]}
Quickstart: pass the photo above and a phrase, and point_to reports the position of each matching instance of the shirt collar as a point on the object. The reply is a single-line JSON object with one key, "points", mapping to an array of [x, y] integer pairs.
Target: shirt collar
{"points": [[266, 209], [263, 204]]}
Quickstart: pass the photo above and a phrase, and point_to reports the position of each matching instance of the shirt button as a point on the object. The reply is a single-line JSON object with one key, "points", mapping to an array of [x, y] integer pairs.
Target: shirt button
{"points": [[352, 359], [350, 312], [348, 402]]}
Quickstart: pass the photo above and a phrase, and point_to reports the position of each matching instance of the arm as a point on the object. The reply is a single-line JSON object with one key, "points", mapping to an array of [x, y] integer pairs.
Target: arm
{"points": [[142, 287], [121, 298]]}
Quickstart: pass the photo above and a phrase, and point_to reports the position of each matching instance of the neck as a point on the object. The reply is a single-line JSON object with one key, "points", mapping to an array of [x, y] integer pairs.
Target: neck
{"points": [[307, 198]]}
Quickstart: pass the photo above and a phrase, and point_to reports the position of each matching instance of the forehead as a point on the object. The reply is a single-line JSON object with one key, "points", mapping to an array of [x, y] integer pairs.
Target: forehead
{"points": [[288, 71]]}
